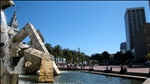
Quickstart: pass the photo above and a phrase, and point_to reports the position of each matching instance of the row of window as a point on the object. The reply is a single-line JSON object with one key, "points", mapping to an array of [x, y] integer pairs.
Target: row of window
{"points": [[138, 10]]}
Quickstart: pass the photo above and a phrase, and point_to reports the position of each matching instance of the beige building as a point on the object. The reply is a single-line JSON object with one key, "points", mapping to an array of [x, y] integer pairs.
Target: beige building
{"points": [[142, 42]]}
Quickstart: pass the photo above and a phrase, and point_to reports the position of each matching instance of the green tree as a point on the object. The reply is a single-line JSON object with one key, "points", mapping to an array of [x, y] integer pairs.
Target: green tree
{"points": [[128, 56], [117, 57], [73, 56], [97, 57], [106, 56], [82, 57], [49, 48], [57, 52], [148, 56], [87, 59], [93, 62], [67, 55]]}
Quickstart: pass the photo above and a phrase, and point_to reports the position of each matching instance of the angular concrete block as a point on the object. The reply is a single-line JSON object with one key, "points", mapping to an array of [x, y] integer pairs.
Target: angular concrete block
{"points": [[46, 71], [21, 35], [30, 31], [38, 31], [56, 70], [48, 79], [147, 81], [46, 67], [34, 54]]}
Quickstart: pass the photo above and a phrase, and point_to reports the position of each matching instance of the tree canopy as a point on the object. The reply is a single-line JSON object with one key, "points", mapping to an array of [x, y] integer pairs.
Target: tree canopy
{"points": [[148, 56], [72, 56]]}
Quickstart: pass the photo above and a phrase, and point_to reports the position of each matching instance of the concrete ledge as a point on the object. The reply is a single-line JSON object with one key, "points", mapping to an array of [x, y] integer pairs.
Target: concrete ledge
{"points": [[131, 75], [113, 72], [147, 81], [117, 75]]}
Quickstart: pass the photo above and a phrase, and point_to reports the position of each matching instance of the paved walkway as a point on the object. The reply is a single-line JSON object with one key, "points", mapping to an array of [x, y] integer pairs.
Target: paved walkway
{"points": [[135, 68], [130, 69]]}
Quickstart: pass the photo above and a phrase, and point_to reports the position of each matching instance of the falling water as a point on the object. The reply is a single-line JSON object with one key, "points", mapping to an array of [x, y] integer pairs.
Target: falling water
{"points": [[5, 48], [19, 68], [4, 38]]}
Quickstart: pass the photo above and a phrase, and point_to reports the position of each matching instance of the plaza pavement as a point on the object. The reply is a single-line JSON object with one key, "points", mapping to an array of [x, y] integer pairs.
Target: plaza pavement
{"points": [[135, 68]]}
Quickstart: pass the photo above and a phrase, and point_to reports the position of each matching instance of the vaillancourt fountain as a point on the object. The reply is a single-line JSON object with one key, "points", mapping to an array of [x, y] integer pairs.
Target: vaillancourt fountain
{"points": [[34, 57]]}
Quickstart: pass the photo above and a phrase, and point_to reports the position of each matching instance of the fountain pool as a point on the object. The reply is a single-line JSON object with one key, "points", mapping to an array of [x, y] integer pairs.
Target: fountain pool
{"points": [[78, 77]]}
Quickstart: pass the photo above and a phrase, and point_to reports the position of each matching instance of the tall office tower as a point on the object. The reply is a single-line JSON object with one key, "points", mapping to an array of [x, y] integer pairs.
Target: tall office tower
{"points": [[134, 19], [149, 4], [123, 48]]}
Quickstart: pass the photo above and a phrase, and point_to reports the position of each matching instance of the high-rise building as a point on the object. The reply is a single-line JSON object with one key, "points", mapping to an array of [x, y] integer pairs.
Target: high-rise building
{"points": [[142, 42], [149, 4], [123, 48], [134, 19]]}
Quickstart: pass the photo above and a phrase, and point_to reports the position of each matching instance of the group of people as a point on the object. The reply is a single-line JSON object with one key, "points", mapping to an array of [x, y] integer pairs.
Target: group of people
{"points": [[123, 70], [108, 69], [71, 66], [91, 68], [74, 66]]}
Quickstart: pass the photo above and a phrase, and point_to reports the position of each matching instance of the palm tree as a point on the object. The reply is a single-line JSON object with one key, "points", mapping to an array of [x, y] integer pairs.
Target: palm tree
{"points": [[57, 52], [49, 48], [87, 59], [73, 56], [66, 54], [82, 57]]}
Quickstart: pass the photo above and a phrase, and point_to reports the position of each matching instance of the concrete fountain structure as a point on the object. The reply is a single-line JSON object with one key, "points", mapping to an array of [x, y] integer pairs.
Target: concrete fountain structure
{"points": [[34, 57]]}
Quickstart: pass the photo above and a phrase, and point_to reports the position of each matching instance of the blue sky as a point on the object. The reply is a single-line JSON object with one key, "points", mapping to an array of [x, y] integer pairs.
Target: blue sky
{"points": [[94, 26]]}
